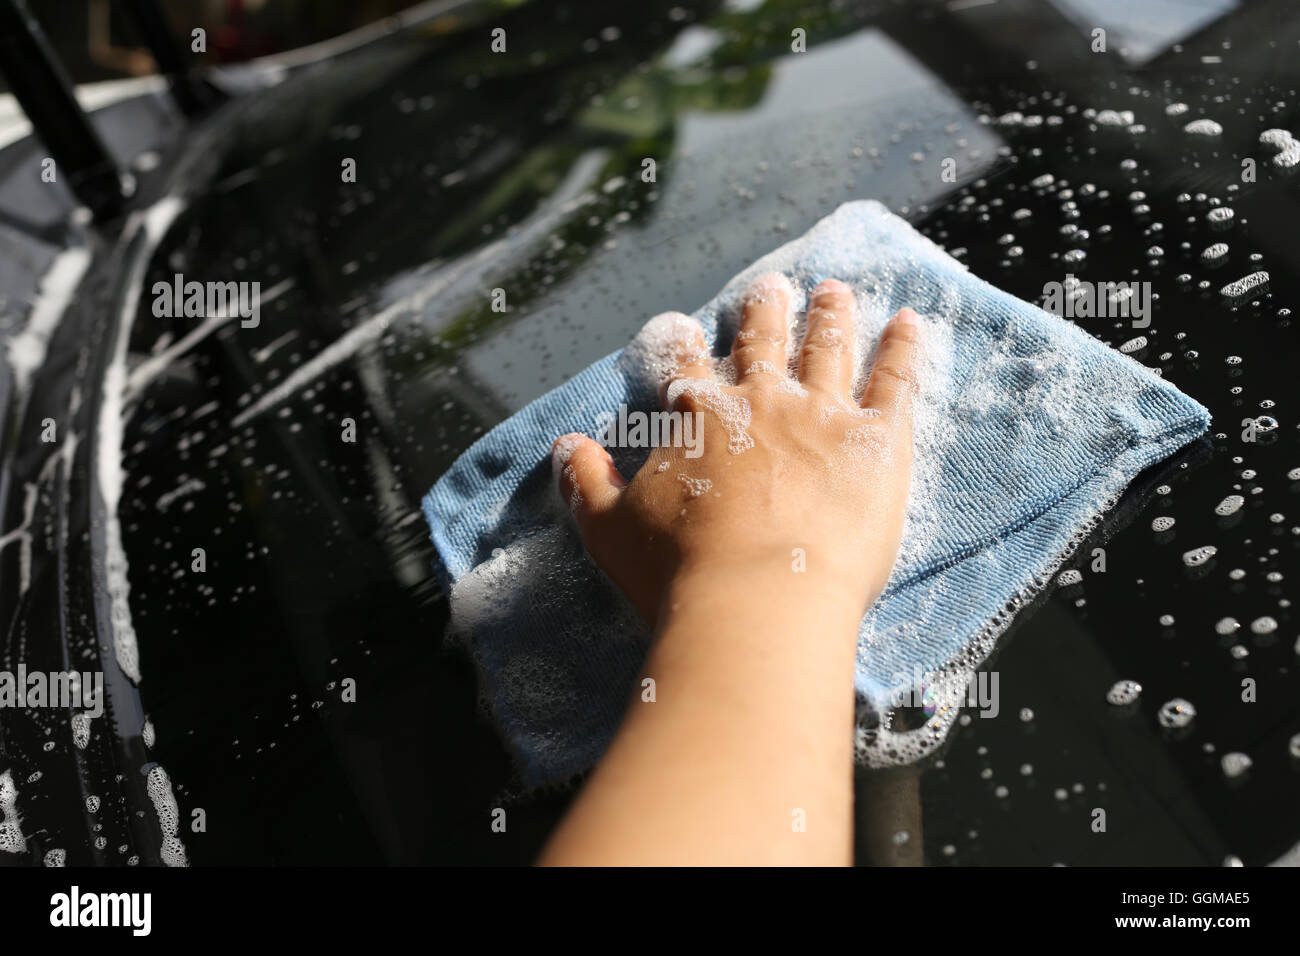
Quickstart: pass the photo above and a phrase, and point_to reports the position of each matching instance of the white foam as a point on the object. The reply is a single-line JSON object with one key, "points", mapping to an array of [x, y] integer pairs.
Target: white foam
{"points": [[1285, 143], [152, 224], [1176, 713], [81, 729], [1229, 505], [154, 365], [563, 451], [188, 487], [26, 349], [1235, 764], [1115, 118], [159, 788], [732, 411], [1214, 254], [1245, 286], [695, 487], [1124, 692], [664, 345], [11, 831]]}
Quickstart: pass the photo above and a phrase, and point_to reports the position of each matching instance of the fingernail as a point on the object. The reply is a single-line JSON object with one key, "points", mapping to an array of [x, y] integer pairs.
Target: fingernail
{"points": [[774, 283], [563, 450], [907, 317]]}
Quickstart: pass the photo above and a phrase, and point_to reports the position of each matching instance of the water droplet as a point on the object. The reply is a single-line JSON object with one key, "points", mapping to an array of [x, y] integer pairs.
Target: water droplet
{"points": [[1229, 505], [1234, 764], [1263, 625], [1176, 713], [1227, 625], [1245, 286], [1203, 127], [1123, 692]]}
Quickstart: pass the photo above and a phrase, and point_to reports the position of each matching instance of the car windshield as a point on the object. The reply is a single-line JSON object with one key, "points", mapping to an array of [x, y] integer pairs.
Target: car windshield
{"points": [[291, 634]]}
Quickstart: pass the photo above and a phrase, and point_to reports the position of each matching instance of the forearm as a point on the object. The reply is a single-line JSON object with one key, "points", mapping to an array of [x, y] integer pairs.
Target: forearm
{"points": [[745, 754]]}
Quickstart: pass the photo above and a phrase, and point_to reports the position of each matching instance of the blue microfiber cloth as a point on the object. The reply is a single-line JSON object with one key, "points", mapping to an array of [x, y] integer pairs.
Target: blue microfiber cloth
{"points": [[1027, 430]]}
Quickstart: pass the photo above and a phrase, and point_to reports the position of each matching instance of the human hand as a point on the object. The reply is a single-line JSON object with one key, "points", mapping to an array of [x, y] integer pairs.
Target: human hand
{"points": [[791, 470]]}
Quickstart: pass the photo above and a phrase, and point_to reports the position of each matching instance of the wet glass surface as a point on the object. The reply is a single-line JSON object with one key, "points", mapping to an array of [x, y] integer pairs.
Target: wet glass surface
{"points": [[525, 173]]}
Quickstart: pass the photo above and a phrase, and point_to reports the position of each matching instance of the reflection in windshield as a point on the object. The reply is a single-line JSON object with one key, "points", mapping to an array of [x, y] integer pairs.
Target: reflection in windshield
{"points": [[529, 174], [560, 213], [1143, 30]]}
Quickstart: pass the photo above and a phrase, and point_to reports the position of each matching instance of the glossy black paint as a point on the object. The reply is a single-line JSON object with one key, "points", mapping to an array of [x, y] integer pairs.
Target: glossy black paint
{"points": [[469, 165]]}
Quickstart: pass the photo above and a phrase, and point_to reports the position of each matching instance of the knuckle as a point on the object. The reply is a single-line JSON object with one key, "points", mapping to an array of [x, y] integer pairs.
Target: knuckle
{"points": [[833, 300], [816, 348], [684, 399], [759, 337], [899, 373]]}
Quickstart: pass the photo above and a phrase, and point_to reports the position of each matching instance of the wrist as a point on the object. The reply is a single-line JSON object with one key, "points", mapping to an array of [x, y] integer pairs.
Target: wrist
{"points": [[779, 574], [771, 591]]}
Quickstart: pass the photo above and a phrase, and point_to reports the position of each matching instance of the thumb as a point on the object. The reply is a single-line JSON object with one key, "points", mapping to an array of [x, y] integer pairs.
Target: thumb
{"points": [[587, 478]]}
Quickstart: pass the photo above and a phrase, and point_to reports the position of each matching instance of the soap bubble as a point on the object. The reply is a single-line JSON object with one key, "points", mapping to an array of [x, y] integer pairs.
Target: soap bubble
{"points": [[1235, 764], [1203, 127], [1229, 505], [1176, 713], [1123, 693]]}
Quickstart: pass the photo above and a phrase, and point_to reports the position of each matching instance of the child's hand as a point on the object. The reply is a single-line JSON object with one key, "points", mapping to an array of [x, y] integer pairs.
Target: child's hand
{"points": [[822, 487], [744, 752]]}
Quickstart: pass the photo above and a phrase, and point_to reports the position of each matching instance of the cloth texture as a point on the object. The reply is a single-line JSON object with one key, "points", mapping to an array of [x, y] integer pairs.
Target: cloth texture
{"points": [[1028, 428]]}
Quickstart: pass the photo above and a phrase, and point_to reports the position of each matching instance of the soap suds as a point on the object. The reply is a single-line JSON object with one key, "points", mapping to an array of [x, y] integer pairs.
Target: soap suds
{"points": [[732, 411], [695, 487], [666, 343], [11, 831], [159, 788], [153, 223], [26, 349]]}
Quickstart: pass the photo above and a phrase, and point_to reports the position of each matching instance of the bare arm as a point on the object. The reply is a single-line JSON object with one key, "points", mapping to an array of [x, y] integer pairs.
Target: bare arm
{"points": [[754, 562]]}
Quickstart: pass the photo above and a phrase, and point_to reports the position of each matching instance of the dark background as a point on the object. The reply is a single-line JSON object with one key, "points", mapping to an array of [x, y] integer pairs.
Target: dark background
{"points": [[320, 566]]}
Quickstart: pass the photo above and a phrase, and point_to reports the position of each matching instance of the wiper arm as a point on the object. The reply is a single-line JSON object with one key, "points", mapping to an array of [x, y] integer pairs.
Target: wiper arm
{"points": [[37, 80]]}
